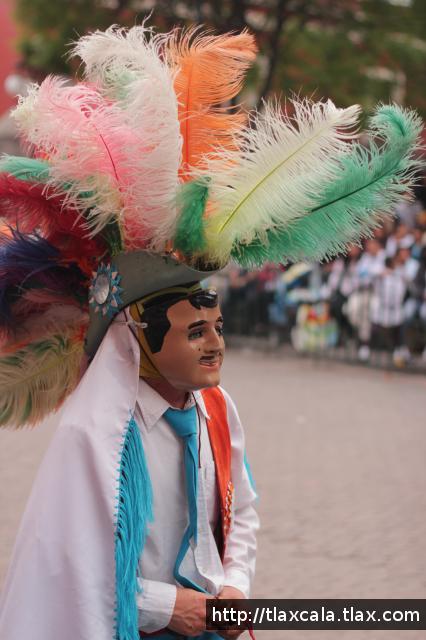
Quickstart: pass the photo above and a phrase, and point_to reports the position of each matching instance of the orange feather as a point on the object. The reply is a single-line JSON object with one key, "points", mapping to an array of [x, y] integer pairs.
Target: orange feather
{"points": [[210, 71]]}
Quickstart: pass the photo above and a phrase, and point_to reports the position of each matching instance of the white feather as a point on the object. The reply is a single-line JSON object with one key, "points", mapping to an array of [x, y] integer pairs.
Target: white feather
{"points": [[128, 66], [280, 164]]}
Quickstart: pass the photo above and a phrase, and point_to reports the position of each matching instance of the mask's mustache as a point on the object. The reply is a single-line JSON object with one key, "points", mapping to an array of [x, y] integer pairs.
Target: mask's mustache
{"points": [[212, 356]]}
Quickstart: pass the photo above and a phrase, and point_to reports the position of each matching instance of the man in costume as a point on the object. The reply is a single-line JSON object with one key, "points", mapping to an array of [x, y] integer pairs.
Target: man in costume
{"points": [[141, 184], [182, 337]]}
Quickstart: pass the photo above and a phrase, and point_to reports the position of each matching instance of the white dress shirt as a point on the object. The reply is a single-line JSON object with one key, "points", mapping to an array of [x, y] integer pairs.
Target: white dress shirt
{"points": [[387, 302], [164, 452], [370, 266]]}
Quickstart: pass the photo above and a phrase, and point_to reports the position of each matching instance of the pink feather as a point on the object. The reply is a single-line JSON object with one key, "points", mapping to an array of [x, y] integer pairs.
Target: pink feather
{"points": [[38, 301], [87, 143], [45, 298]]}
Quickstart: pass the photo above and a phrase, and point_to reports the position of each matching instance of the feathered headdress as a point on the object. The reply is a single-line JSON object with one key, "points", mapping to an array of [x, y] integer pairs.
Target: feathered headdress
{"points": [[141, 177]]}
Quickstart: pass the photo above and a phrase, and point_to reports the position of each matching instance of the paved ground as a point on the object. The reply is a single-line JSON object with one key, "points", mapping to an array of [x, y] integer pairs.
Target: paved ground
{"points": [[339, 457]]}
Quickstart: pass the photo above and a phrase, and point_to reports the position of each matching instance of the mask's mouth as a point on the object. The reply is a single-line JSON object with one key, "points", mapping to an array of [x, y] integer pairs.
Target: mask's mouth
{"points": [[211, 360]]}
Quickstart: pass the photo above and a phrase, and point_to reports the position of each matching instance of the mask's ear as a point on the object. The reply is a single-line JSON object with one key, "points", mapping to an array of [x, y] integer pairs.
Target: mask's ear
{"points": [[147, 368]]}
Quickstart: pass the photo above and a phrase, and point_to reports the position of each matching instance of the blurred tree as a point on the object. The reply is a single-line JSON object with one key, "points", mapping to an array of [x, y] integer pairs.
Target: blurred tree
{"points": [[351, 50], [47, 26], [377, 54]]}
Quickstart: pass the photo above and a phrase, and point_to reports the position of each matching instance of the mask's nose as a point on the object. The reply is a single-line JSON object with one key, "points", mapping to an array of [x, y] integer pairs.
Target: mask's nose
{"points": [[214, 342]]}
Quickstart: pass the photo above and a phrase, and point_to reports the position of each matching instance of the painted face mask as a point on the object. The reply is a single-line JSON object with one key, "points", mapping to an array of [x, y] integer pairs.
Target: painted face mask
{"points": [[182, 341]]}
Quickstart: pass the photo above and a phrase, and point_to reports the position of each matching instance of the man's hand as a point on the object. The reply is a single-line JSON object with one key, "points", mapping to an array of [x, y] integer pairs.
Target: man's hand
{"points": [[189, 614], [231, 593]]}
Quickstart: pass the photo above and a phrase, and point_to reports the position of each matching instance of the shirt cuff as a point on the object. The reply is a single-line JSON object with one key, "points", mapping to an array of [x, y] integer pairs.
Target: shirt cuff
{"points": [[155, 603], [238, 579]]}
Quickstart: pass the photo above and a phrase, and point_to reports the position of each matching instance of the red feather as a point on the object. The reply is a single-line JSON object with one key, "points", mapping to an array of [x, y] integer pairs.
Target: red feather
{"points": [[30, 207], [24, 204]]}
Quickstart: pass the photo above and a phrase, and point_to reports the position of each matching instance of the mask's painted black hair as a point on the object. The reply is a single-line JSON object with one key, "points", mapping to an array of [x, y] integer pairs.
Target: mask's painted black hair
{"points": [[155, 313]]}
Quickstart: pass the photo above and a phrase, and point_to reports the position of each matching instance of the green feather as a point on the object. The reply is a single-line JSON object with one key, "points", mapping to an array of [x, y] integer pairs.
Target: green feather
{"points": [[369, 184], [25, 168], [112, 236], [31, 169], [190, 237]]}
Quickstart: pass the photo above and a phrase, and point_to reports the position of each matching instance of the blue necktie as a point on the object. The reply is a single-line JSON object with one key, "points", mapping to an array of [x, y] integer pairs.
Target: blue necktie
{"points": [[184, 424]]}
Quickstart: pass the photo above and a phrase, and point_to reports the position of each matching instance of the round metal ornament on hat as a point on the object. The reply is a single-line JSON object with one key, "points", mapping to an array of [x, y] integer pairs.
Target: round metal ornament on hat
{"points": [[129, 277]]}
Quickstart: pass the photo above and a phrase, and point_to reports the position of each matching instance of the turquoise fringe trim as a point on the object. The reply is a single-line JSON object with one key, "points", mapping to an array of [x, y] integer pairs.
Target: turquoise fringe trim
{"points": [[250, 475], [134, 511]]}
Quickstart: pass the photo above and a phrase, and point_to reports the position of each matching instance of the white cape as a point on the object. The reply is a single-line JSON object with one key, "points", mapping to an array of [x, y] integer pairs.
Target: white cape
{"points": [[61, 581]]}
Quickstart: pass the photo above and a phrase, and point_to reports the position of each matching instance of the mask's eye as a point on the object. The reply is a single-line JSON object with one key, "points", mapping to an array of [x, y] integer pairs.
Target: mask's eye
{"points": [[219, 329], [194, 335]]}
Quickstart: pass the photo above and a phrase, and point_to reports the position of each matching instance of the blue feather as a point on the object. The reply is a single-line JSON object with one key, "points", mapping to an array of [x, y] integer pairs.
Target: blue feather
{"points": [[29, 261], [23, 255]]}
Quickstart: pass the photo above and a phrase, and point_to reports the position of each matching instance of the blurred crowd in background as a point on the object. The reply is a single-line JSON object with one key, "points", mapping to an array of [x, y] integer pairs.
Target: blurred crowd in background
{"points": [[371, 300]]}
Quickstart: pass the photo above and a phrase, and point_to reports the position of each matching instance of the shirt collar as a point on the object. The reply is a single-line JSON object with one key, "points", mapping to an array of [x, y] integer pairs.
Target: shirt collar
{"points": [[152, 405]]}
